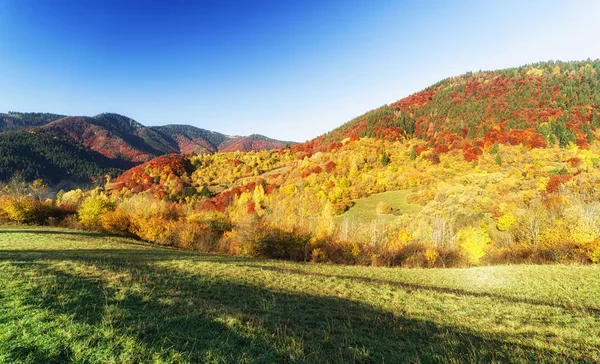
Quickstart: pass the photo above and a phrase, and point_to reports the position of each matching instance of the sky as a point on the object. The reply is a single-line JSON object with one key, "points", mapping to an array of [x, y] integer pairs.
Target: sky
{"points": [[291, 70]]}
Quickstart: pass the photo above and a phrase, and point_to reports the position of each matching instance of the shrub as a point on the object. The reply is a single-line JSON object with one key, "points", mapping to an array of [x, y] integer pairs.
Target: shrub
{"points": [[116, 222], [383, 208], [26, 210], [268, 242], [473, 242], [92, 210], [505, 222]]}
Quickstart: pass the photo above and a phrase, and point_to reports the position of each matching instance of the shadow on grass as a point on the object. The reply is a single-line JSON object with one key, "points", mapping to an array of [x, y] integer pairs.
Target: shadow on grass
{"points": [[448, 290], [200, 318], [53, 232]]}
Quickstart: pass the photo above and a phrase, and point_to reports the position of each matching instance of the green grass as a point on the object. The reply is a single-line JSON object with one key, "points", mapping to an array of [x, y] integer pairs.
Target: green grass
{"points": [[67, 295], [364, 209]]}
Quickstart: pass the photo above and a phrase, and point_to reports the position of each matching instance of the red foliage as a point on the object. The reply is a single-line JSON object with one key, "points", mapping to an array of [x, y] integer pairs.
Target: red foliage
{"points": [[307, 173], [251, 208], [574, 162], [440, 149], [154, 175], [472, 154], [556, 181], [330, 166]]}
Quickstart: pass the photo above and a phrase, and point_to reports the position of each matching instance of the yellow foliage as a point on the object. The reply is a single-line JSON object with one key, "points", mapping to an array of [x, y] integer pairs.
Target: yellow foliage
{"points": [[536, 72], [92, 210], [383, 208], [431, 256], [505, 222], [116, 222], [556, 234], [473, 242], [592, 250]]}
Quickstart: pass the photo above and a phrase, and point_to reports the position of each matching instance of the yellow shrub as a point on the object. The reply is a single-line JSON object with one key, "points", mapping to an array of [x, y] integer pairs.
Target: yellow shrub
{"points": [[92, 210], [71, 199], [473, 242], [431, 256], [505, 222], [383, 208], [19, 210], [556, 235], [116, 222], [591, 250]]}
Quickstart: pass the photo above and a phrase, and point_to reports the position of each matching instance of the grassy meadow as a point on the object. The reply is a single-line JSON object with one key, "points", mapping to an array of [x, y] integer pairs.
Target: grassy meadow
{"points": [[72, 296], [364, 210]]}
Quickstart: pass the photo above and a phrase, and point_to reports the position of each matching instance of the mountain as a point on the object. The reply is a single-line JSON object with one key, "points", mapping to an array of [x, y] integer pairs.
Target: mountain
{"points": [[55, 147], [537, 105], [190, 139], [119, 137], [114, 136], [19, 120], [53, 158]]}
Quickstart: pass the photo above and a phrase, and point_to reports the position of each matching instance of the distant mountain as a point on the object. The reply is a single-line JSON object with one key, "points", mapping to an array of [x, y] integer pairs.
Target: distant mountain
{"points": [[21, 120], [103, 144], [114, 136], [195, 140], [53, 158]]}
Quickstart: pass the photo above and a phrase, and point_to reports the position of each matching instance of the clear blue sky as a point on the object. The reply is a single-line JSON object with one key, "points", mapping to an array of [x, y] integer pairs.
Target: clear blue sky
{"points": [[287, 69]]}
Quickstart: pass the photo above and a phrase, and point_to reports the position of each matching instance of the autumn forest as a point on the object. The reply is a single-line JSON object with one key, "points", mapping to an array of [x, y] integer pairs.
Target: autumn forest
{"points": [[479, 169]]}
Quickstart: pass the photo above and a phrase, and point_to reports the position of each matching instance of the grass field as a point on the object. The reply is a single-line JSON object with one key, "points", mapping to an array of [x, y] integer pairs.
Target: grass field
{"points": [[74, 296], [364, 209]]}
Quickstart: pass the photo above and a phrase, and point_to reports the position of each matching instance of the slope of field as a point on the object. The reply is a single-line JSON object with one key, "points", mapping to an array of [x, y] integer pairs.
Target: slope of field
{"points": [[25, 120], [67, 295]]}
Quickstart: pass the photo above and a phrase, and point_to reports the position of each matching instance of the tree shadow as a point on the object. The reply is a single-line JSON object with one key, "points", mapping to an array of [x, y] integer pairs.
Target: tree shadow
{"points": [[197, 317], [438, 289]]}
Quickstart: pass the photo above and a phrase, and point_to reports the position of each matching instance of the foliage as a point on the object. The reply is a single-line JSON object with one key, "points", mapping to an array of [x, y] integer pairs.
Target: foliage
{"points": [[473, 242], [93, 209]]}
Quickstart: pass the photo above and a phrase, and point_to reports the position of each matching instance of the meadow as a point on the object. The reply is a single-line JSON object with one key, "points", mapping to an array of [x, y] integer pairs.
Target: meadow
{"points": [[73, 296], [364, 210]]}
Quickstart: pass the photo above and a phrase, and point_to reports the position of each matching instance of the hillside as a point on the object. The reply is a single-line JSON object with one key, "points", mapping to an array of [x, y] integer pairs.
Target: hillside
{"points": [[114, 136], [110, 142], [117, 299], [52, 158], [505, 172], [19, 120], [537, 105], [190, 139]]}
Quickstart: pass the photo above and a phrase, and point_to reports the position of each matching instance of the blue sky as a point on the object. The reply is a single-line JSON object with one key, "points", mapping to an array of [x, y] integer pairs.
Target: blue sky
{"points": [[287, 69]]}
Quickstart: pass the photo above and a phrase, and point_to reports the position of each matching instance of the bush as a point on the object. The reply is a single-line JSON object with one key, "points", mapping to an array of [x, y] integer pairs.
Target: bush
{"points": [[268, 242], [116, 222], [27, 210], [383, 208], [473, 242], [92, 210]]}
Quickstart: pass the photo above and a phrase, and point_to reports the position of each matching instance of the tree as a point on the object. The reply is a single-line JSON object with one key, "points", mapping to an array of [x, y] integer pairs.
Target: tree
{"points": [[385, 157]]}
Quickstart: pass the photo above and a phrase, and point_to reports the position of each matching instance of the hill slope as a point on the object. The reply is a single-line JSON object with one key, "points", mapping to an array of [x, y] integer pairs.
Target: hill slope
{"points": [[52, 158], [19, 120], [191, 139], [110, 142], [536, 105]]}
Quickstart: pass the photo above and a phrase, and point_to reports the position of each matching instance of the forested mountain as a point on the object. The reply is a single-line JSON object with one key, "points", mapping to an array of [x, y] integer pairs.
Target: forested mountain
{"points": [[106, 143], [486, 167], [20, 120], [195, 140], [53, 158], [537, 104]]}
